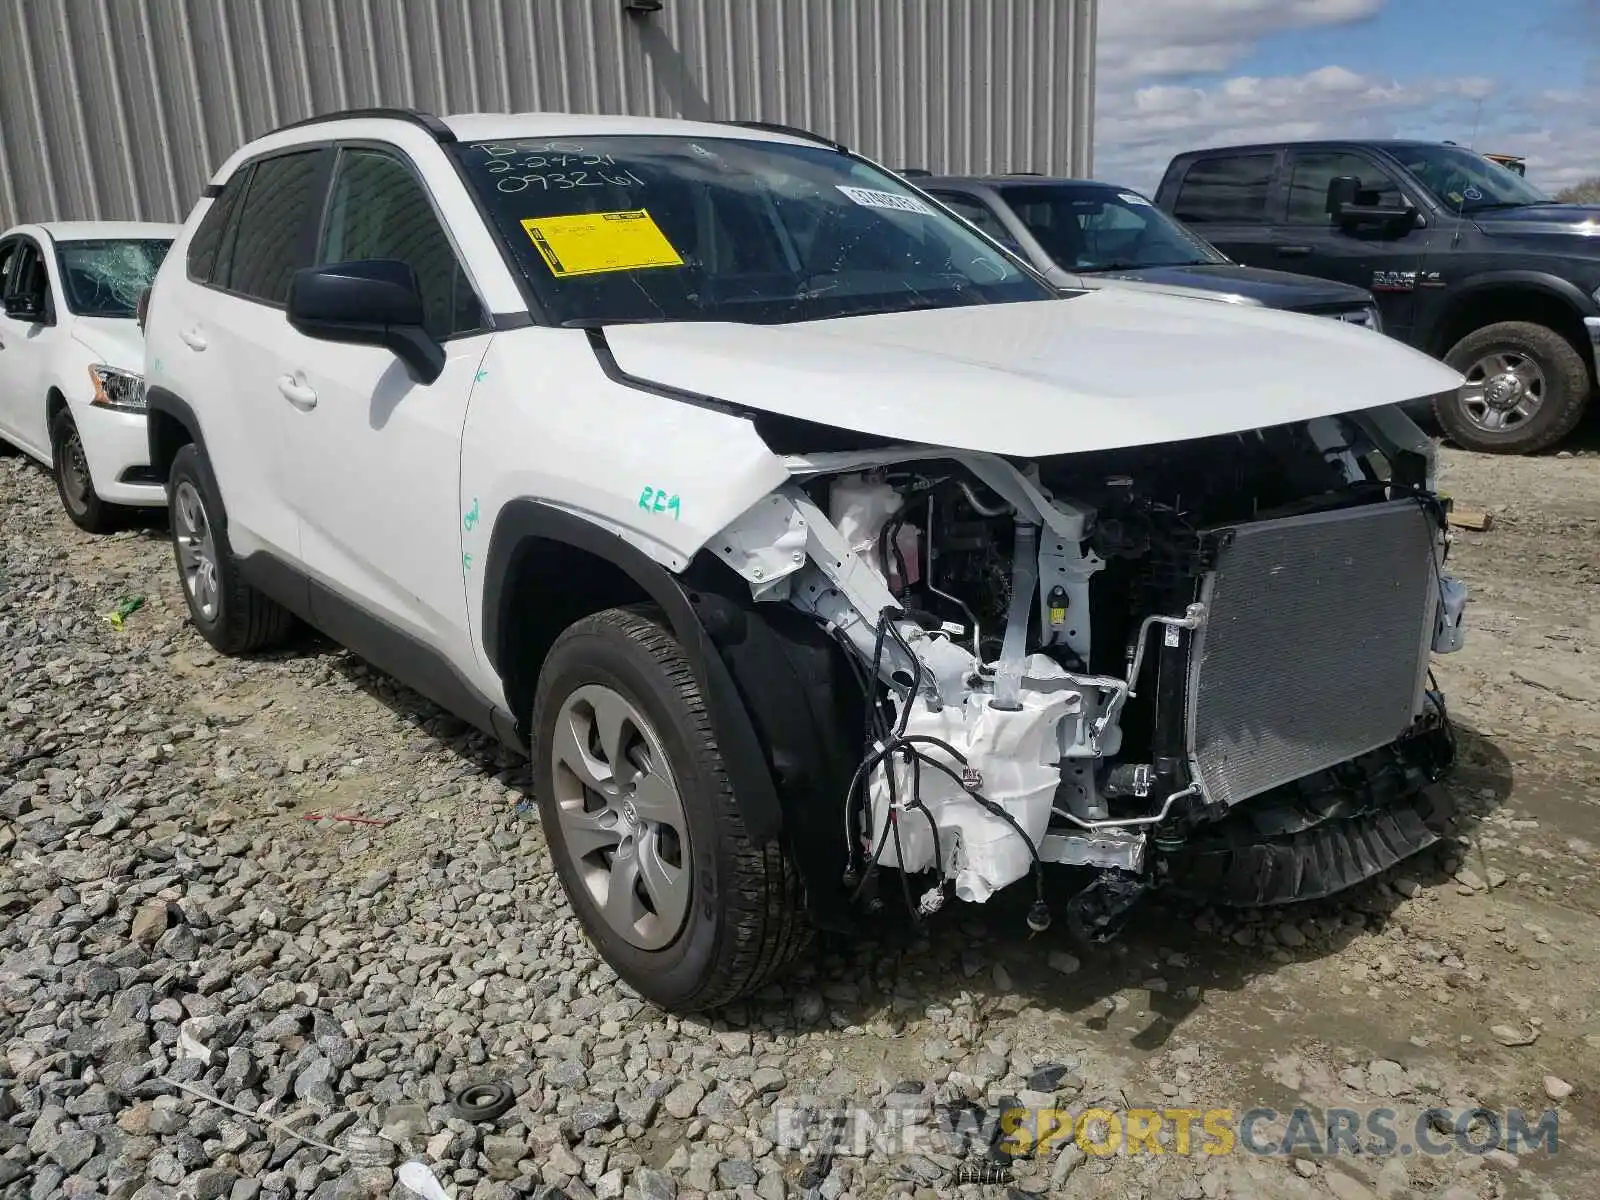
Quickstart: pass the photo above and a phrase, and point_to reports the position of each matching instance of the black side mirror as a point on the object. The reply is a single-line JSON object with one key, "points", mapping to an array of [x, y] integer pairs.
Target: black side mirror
{"points": [[1342, 192], [1344, 205], [374, 302], [25, 306]]}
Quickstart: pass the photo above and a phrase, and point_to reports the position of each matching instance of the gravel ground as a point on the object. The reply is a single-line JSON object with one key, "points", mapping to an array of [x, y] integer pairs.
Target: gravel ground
{"points": [[291, 884]]}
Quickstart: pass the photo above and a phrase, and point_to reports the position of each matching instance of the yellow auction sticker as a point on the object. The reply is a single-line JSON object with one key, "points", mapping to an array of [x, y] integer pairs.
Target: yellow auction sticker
{"points": [[593, 243]]}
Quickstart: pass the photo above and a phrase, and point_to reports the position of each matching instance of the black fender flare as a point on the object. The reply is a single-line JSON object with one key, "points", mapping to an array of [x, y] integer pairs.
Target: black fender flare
{"points": [[1543, 282], [170, 404], [522, 520]]}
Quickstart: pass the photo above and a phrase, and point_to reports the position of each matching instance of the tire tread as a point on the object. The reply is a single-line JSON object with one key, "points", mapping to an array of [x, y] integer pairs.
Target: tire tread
{"points": [[764, 923], [98, 516], [1572, 388], [251, 620]]}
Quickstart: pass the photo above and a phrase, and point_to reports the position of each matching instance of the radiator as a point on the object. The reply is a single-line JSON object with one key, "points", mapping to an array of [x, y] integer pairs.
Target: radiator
{"points": [[1314, 647]]}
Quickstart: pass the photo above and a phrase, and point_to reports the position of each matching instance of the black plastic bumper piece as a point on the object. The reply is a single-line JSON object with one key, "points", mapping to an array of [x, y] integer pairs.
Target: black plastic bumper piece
{"points": [[1325, 834]]}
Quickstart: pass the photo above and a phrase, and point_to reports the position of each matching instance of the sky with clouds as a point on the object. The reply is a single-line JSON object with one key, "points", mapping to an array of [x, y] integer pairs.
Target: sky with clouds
{"points": [[1517, 77]]}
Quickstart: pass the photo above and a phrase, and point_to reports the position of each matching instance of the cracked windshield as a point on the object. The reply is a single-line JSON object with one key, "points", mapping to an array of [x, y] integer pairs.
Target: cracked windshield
{"points": [[105, 278], [627, 229]]}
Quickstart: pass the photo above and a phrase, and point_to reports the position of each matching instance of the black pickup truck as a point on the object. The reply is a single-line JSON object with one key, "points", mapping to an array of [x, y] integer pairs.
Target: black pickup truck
{"points": [[1469, 262]]}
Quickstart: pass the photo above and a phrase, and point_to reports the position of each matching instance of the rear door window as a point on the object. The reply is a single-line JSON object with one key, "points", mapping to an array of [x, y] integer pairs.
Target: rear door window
{"points": [[1227, 189], [207, 239]]}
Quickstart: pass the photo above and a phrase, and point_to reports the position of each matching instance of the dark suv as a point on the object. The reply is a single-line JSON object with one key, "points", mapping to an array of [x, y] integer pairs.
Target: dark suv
{"points": [[1470, 262], [1086, 234]]}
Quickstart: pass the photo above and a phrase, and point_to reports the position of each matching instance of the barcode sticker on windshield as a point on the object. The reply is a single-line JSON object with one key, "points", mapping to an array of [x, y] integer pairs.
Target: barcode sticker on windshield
{"points": [[868, 198], [593, 243], [1133, 198]]}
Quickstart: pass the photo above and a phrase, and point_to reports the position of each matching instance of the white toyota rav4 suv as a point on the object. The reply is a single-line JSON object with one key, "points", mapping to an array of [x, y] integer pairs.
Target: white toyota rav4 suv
{"points": [[71, 358], [822, 556]]}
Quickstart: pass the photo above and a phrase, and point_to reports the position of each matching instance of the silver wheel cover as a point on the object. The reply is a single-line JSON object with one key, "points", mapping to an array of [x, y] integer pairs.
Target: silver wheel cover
{"points": [[622, 822], [197, 549]]}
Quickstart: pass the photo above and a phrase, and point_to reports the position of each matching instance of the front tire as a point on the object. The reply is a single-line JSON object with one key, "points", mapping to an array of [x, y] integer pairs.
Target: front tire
{"points": [[230, 614], [74, 483], [1527, 388], [643, 825]]}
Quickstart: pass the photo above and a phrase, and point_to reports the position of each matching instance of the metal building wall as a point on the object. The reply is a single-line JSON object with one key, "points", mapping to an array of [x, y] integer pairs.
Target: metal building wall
{"points": [[121, 109]]}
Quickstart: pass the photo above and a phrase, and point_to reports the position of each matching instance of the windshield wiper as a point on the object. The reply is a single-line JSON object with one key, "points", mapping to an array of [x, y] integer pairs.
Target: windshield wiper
{"points": [[602, 322]]}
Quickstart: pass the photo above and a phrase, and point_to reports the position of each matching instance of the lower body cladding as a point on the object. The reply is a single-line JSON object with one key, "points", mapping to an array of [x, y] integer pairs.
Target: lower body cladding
{"points": [[1202, 665]]}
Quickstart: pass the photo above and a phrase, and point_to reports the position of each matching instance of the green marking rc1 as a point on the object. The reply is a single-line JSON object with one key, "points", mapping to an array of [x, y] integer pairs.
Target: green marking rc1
{"points": [[659, 500], [470, 518]]}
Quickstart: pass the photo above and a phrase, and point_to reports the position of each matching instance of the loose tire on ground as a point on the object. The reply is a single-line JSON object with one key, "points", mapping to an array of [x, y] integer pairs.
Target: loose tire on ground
{"points": [[1566, 382], [73, 482], [233, 616], [745, 919]]}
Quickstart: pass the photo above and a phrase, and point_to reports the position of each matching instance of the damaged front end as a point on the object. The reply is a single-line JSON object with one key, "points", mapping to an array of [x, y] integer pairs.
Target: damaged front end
{"points": [[1202, 664]]}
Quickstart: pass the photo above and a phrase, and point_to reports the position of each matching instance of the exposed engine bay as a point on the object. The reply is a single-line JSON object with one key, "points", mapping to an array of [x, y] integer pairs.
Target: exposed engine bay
{"points": [[1201, 664]]}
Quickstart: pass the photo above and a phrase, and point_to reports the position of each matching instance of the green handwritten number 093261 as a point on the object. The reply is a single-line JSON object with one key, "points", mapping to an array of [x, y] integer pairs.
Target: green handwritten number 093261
{"points": [[659, 500]]}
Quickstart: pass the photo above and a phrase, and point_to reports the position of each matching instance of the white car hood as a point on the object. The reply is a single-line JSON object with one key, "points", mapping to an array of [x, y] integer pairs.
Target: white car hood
{"points": [[113, 341], [1110, 368]]}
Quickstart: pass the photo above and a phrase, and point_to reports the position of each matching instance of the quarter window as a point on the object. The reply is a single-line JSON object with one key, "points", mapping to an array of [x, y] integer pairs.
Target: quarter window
{"points": [[275, 226], [380, 211], [1229, 189]]}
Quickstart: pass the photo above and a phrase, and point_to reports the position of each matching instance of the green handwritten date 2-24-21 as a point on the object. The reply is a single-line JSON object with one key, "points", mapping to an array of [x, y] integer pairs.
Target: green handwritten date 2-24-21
{"points": [[659, 500]]}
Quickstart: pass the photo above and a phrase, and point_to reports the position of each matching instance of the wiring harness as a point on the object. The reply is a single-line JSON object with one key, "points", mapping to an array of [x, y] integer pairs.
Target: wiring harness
{"points": [[885, 743]]}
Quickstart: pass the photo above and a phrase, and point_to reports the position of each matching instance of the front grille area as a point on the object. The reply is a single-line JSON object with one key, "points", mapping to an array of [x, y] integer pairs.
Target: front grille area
{"points": [[1314, 645]]}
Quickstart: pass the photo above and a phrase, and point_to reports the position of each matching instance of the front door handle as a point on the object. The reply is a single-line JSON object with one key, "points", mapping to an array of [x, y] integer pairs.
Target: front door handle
{"points": [[296, 393], [192, 338], [1294, 251]]}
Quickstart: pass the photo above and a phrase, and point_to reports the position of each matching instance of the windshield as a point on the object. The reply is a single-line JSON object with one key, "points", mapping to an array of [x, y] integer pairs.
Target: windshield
{"points": [[1464, 181], [1090, 227], [106, 278], [612, 229]]}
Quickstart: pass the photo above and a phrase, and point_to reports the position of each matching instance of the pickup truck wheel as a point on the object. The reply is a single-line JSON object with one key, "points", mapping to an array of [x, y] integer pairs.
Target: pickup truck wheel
{"points": [[230, 614], [74, 484], [642, 822], [1527, 388]]}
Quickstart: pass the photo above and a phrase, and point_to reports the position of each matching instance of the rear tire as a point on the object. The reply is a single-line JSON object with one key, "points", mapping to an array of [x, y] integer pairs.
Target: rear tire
{"points": [[1528, 387], [230, 614], [74, 483], [713, 915]]}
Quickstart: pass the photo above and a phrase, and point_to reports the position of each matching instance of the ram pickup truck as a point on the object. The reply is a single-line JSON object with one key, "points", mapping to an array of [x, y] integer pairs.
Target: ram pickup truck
{"points": [[1470, 262]]}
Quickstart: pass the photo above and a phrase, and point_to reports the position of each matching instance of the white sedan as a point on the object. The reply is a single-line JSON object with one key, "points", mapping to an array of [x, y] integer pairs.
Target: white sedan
{"points": [[72, 359]]}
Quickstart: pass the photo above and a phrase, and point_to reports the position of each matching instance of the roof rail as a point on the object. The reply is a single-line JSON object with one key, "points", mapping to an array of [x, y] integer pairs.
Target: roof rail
{"points": [[792, 131], [435, 127], [914, 172]]}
